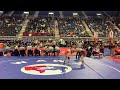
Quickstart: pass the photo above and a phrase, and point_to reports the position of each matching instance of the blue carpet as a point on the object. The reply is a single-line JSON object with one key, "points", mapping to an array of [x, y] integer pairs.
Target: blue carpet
{"points": [[93, 68]]}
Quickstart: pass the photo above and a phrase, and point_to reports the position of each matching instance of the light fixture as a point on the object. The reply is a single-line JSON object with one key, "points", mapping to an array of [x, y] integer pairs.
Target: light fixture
{"points": [[51, 13], [75, 14], [26, 12], [1, 12], [98, 14]]}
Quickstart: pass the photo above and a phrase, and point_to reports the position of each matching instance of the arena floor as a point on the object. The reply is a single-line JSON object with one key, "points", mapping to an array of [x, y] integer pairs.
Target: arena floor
{"points": [[51, 67]]}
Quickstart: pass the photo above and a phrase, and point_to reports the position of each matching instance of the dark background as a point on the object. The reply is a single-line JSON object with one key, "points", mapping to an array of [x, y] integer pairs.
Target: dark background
{"points": [[57, 5]]}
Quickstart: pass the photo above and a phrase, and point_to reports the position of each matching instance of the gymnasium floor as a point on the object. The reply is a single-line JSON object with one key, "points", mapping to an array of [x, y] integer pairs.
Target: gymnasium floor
{"points": [[50, 67]]}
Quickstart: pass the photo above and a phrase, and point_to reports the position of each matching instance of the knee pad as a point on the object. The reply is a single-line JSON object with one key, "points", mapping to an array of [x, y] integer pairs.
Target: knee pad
{"points": [[68, 57]]}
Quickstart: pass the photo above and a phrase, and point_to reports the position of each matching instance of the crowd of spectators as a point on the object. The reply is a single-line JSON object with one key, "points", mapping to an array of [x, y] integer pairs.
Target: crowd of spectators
{"points": [[102, 25], [68, 26], [72, 27], [40, 26], [10, 25]]}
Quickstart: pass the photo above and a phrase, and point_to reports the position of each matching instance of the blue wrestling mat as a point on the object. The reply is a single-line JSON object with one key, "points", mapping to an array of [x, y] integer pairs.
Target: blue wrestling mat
{"points": [[50, 67]]}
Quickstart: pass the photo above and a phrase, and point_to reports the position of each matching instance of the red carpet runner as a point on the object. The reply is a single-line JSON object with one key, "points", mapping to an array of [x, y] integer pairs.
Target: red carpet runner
{"points": [[114, 58]]}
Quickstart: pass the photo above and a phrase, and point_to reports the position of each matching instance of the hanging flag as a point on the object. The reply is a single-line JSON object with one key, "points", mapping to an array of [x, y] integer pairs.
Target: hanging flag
{"points": [[95, 37], [56, 23], [111, 36]]}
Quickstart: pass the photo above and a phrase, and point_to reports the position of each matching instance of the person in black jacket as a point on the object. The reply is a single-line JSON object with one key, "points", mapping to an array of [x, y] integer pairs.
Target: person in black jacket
{"points": [[22, 51], [1, 52], [36, 51], [16, 52], [89, 51], [79, 53], [53, 45]]}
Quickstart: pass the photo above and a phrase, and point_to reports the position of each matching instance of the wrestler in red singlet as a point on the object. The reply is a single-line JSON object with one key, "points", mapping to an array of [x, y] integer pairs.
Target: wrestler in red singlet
{"points": [[117, 50]]}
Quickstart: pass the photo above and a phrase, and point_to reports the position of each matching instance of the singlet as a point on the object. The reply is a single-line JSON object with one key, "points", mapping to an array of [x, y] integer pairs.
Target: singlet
{"points": [[67, 53], [117, 50]]}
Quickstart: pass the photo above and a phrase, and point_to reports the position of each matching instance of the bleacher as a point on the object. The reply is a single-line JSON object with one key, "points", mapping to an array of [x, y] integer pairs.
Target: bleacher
{"points": [[10, 25], [101, 25], [18, 12], [72, 27], [69, 26], [39, 26]]}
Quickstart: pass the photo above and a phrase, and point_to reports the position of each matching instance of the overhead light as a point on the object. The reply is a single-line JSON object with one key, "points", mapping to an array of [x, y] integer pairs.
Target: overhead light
{"points": [[51, 13], [26, 12], [1, 12], [75, 14], [98, 14]]}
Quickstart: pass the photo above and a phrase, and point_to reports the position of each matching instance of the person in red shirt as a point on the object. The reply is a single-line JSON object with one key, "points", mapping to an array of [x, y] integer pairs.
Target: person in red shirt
{"points": [[117, 50]]}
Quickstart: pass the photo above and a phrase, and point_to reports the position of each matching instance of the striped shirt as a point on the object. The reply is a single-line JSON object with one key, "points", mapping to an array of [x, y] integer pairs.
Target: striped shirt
{"points": [[29, 47], [22, 48]]}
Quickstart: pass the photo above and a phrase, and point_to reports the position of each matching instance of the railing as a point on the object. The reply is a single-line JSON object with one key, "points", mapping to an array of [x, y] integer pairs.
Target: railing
{"points": [[88, 38], [37, 37], [8, 37], [53, 37]]}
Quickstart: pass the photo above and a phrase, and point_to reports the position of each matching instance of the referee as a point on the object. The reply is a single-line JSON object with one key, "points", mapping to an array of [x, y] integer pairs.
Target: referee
{"points": [[29, 48]]}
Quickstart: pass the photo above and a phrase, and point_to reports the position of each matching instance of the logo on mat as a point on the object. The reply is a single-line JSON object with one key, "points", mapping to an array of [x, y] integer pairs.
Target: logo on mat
{"points": [[21, 62], [46, 69]]}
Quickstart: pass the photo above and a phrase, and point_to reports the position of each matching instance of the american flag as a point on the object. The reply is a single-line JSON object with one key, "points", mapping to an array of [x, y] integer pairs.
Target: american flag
{"points": [[95, 37], [95, 34], [111, 34], [56, 23]]}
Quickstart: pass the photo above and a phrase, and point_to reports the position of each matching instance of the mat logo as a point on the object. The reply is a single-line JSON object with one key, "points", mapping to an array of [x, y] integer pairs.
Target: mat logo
{"points": [[20, 62], [41, 61], [46, 69], [58, 60]]}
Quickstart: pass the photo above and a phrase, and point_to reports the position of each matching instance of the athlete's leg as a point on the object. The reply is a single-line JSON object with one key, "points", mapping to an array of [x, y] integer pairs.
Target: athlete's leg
{"points": [[68, 60], [82, 59], [65, 59], [77, 54]]}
